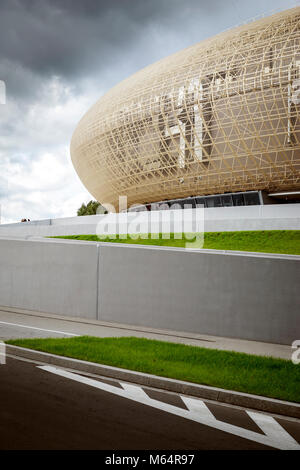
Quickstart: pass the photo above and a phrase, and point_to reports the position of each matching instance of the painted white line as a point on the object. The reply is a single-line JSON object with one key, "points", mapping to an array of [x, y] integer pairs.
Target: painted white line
{"points": [[271, 427], [35, 328], [198, 407], [2, 353], [198, 413], [135, 391]]}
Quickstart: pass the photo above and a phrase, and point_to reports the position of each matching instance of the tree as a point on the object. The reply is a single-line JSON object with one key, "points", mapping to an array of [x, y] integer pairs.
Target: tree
{"points": [[92, 208]]}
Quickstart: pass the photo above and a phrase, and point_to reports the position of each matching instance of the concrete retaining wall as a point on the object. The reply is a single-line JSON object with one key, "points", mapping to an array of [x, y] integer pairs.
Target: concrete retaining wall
{"points": [[51, 277], [264, 217], [248, 296]]}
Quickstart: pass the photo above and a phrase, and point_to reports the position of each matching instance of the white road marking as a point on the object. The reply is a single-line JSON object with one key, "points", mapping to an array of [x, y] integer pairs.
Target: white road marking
{"points": [[270, 426], [35, 328], [134, 391], [198, 407], [272, 438]]}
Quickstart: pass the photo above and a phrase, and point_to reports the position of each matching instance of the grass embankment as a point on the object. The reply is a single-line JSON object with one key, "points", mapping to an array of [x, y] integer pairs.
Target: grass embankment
{"points": [[259, 375], [265, 241]]}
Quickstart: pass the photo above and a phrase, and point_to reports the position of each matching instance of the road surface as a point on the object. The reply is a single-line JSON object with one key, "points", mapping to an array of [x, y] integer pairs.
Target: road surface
{"points": [[43, 407], [43, 410]]}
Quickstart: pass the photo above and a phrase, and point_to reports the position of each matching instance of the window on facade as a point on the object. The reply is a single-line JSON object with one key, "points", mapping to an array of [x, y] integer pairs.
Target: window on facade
{"points": [[200, 201], [227, 201], [238, 200], [251, 199]]}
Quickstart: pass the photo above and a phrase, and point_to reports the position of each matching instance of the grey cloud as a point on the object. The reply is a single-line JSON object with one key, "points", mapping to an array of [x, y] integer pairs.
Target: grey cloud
{"points": [[71, 37], [106, 40]]}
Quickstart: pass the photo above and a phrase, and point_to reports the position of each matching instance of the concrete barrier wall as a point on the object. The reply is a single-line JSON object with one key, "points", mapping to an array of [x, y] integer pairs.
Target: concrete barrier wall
{"points": [[254, 297], [59, 278], [265, 217], [241, 296]]}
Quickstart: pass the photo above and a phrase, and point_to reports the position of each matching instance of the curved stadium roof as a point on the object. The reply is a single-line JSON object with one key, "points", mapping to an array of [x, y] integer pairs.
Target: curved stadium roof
{"points": [[220, 116]]}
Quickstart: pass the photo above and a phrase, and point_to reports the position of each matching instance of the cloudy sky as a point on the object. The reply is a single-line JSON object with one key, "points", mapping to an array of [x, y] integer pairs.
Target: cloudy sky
{"points": [[57, 57]]}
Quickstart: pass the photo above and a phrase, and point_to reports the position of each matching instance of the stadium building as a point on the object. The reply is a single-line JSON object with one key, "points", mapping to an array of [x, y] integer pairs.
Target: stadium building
{"points": [[217, 123]]}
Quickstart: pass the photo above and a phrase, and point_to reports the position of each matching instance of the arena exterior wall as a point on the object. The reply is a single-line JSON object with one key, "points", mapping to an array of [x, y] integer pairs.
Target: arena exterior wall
{"points": [[220, 116]]}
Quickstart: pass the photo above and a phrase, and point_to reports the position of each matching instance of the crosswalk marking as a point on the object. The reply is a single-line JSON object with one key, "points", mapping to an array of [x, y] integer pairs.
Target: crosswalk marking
{"points": [[275, 436]]}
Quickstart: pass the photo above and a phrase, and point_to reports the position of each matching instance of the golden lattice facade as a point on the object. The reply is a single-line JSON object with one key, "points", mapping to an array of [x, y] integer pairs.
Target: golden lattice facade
{"points": [[220, 116]]}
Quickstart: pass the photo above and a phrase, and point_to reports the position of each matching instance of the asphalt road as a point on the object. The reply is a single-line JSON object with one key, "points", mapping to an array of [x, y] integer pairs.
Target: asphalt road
{"points": [[43, 410]]}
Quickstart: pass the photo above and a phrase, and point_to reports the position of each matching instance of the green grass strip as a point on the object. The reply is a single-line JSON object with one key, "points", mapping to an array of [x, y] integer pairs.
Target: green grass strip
{"points": [[270, 377], [264, 241]]}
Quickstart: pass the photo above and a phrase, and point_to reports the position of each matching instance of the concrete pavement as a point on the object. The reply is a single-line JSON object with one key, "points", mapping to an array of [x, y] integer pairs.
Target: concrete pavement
{"points": [[18, 323]]}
